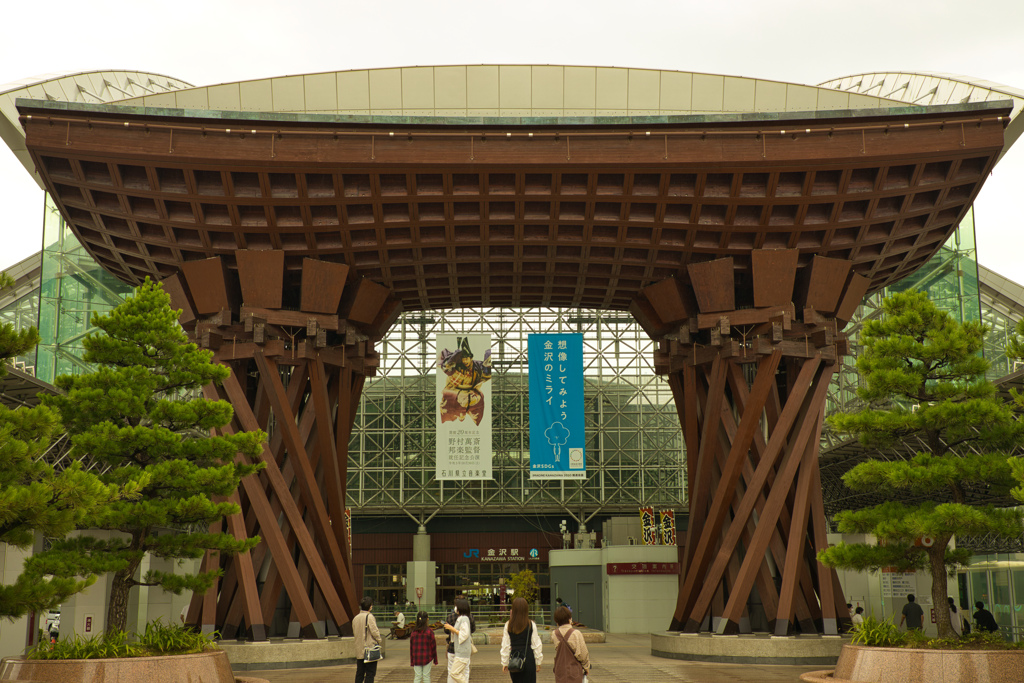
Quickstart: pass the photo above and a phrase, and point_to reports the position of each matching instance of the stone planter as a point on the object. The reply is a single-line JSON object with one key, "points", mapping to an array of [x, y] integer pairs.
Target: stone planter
{"points": [[209, 667], [861, 664]]}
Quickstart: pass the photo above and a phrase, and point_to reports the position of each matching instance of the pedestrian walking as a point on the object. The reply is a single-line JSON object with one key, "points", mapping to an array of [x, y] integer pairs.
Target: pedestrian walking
{"points": [[912, 614], [521, 649], [572, 659]]}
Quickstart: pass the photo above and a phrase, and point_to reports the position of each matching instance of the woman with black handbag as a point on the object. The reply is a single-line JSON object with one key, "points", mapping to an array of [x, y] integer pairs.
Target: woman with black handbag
{"points": [[521, 649], [367, 642]]}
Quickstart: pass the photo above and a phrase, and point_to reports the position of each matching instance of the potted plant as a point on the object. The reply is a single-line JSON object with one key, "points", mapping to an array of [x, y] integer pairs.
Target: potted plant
{"points": [[161, 654], [879, 652]]}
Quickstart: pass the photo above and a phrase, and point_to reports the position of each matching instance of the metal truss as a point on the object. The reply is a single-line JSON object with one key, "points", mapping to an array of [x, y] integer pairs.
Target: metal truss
{"points": [[634, 444], [991, 543]]}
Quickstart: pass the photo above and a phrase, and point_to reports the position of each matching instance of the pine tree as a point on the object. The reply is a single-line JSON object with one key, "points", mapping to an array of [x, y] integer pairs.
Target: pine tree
{"points": [[1015, 351], [34, 498], [138, 415], [923, 375]]}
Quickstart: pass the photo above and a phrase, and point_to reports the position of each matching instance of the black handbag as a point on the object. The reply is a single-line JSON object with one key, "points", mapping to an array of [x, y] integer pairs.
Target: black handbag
{"points": [[517, 660], [371, 653]]}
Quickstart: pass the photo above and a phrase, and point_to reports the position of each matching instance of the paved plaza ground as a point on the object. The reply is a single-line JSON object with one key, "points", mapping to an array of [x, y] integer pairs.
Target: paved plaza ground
{"points": [[623, 659]]}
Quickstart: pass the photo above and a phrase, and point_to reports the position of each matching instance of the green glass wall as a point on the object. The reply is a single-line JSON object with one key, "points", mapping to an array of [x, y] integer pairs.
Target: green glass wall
{"points": [[997, 579], [72, 288], [22, 314], [950, 279]]}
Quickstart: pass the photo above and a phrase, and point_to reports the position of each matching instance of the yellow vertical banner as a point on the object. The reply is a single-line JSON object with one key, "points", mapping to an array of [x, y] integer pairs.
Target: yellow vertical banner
{"points": [[648, 526], [668, 527]]}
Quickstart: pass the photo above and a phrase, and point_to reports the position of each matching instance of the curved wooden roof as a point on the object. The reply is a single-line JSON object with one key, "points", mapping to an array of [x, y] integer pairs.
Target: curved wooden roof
{"points": [[927, 88], [513, 212], [102, 86]]}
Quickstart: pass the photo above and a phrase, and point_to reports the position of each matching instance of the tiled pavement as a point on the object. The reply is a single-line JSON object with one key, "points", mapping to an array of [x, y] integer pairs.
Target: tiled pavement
{"points": [[623, 659]]}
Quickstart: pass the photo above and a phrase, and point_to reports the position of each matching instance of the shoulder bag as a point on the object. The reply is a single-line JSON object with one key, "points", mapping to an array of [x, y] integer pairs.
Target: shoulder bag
{"points": [[371, 653], [517, 660]]}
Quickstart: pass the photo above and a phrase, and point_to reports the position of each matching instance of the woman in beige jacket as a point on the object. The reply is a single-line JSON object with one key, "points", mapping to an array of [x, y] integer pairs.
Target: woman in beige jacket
{"points": [[365, 634], [572, 659]]}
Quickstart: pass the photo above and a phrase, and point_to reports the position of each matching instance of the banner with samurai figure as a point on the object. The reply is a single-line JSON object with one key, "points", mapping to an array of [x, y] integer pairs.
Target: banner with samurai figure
{"points": [[463, 407], [557, 433], [668, 527], [648, 526]]}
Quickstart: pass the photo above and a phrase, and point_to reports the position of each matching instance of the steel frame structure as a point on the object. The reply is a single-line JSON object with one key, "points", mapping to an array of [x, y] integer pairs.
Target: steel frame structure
{"points": [[634, 448]]}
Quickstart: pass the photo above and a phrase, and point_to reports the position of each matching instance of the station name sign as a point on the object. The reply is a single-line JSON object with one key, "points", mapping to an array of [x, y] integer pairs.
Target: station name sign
{"points": [[501, 555], [623, 568]]}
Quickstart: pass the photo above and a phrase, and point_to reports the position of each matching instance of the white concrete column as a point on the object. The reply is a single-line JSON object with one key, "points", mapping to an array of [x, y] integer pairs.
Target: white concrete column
{"points": [[13, 634], [421, 572]]}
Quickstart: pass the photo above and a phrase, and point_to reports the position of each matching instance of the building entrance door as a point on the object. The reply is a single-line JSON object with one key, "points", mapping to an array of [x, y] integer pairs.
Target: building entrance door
{"points": [[585, 610]]}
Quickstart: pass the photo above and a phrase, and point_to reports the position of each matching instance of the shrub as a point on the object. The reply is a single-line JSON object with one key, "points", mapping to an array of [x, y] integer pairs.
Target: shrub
{"points": [[524, 585], [876, 633], [158, 639], [161, 638], [883, 633]]}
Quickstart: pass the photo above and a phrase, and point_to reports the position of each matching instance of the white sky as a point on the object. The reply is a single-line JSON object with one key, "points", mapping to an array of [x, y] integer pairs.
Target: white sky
{"points": [[803, 41]]}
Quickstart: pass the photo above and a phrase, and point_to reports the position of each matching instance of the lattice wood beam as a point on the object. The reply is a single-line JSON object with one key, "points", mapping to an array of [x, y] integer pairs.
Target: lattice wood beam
{"points": [[750, 496], [303, 371]]}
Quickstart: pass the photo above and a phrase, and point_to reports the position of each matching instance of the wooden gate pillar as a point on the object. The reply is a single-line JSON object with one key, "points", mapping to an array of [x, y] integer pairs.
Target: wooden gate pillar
{"points": [[749, 363], [299, 346]]}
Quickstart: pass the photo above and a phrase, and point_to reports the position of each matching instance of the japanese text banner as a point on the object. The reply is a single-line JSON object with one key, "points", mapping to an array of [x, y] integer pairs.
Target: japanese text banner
{"points": [[557, 436], [648, 526], [463, 407]]}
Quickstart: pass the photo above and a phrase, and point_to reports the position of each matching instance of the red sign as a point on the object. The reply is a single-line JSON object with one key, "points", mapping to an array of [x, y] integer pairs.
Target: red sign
{"points": [[621, 568], [419, 591], [88, 624]]}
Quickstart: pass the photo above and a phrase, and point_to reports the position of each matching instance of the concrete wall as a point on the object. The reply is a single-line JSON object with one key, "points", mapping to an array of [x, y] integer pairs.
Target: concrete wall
{"points": [[13, 634], [640, 603], [618, 531], [577, 576]]}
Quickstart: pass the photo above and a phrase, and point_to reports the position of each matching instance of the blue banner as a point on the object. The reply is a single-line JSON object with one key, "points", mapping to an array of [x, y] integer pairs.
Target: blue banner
{"points": [[557, 438]]}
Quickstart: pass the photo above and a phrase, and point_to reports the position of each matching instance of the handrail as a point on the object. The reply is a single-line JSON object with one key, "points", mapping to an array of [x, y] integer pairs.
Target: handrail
{"points": [[485, 616]]}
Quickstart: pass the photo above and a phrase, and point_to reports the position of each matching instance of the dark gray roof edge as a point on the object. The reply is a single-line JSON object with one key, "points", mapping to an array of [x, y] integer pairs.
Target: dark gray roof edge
{"points": [[747, 117]]}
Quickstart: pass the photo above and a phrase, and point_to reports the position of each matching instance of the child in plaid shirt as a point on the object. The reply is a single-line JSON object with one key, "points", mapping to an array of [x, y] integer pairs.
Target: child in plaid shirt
{"points": [[422, 649]]}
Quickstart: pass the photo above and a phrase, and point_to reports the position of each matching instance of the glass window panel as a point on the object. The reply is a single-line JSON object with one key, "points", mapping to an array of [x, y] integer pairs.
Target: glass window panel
{"points": [[979, 588], [1002, 605]]}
